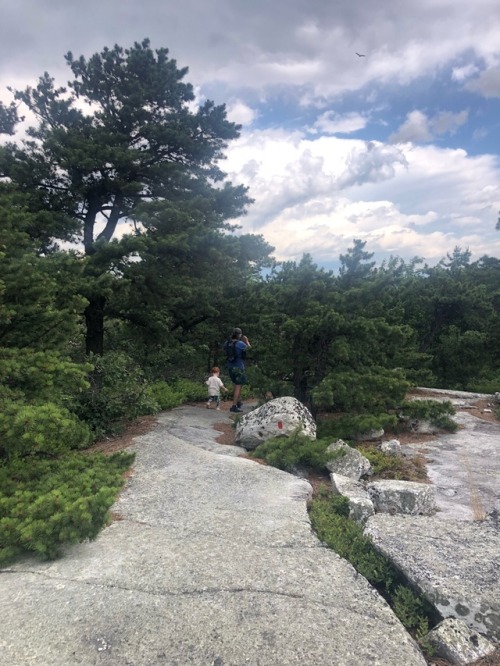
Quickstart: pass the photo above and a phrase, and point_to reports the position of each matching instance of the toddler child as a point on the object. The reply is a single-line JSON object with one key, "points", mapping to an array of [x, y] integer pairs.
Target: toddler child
{"points": [[215, 385]]}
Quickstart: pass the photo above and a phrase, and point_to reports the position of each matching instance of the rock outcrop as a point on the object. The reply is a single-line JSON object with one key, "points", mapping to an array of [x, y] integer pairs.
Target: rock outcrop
{"points": [[278, 417], [455, 564], [405, 497]]}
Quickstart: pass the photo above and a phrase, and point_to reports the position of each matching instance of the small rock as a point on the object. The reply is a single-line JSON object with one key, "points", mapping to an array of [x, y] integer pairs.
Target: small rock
{"points": [[347, 461], [360, 504], [371, 435], [392, 447], [454, 641], [406, 497]]}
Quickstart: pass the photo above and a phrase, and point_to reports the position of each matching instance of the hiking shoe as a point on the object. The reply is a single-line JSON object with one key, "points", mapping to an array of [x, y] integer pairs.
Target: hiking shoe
{"points": [[218, 409], [235, 409]]}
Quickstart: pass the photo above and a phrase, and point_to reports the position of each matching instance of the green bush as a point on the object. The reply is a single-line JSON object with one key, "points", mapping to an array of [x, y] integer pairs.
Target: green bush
{"points": [[383, 464], [371, 390], [164, 395], [483, 385], [190, 390], [47, 503], [32, 376], [40, 430], [345, 537], [262, 384], [118, 392], [436, 412], [329, 518], [411, 609], [350, 426], [288, 451]]}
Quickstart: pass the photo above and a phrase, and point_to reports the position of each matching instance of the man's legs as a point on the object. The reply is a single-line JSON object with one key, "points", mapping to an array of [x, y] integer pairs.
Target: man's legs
{"points": [[237, 376], [236, 394]]}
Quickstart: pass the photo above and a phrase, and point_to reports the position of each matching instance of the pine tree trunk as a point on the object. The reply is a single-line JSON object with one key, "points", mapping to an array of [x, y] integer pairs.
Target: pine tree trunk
{"points": [[94, 319]]}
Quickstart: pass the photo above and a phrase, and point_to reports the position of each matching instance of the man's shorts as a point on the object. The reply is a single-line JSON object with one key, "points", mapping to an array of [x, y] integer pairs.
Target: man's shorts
{"points": [[237, 376]]}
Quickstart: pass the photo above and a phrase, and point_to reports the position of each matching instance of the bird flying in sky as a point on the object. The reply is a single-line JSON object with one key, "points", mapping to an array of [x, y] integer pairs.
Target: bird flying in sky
{"points": [[360, 55]]}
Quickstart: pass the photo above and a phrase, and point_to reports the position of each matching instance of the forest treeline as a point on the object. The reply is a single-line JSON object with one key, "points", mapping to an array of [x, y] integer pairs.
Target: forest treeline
{"points": [[121, 272]]}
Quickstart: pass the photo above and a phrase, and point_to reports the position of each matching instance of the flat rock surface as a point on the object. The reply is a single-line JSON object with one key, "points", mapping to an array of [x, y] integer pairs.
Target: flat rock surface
{"points": [[464, 466], [213, 562], [456, 564]]}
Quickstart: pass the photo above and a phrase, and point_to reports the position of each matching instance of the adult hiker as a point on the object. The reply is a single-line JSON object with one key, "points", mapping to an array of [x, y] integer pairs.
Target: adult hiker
{"points": [[235, 349]]}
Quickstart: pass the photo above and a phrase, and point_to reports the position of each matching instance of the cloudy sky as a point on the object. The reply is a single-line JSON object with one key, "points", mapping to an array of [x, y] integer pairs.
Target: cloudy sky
{"points": [[399, 147]]}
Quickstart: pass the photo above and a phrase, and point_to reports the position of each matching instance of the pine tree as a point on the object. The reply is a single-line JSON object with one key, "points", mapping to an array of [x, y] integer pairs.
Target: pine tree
{"points": [[123, 132]]}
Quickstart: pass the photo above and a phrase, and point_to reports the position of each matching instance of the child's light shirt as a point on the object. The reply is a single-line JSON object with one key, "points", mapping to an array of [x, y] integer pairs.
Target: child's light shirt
{"points": [[214, 385]]}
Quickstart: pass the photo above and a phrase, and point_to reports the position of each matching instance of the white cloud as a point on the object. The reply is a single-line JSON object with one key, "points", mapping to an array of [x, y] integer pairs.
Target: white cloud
{"points": [[463, 73], [418, 127], [446, 122], [241, 113], [487, 83], [257, 44], [316, 195], [333, 123], [415, 128]]}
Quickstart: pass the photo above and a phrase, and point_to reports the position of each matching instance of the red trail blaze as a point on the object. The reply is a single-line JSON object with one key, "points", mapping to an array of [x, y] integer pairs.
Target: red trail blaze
{"points": [[280, 425]]}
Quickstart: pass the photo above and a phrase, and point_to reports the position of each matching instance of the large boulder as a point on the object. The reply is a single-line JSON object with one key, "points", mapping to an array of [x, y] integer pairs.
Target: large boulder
{"points": [[405, 497], [278, 417], [347, 461]]}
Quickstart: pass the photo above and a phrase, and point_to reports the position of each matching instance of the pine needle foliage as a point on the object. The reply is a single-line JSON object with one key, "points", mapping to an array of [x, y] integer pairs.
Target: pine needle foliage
{"points": [[45, 504], [329, 518]]}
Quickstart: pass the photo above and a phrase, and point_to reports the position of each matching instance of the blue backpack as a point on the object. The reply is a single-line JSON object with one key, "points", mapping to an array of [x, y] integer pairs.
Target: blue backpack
{"points": [[231, 353]]}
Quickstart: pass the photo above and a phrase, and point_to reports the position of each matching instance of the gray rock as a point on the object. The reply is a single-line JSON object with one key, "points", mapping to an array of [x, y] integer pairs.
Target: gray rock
{"points": [[454, 641], [347, 461], [360, 504], [405, 497], [279, 417], [424, 427], [465, 467], [454, 563], [496, 398], [391, 447], [371, 435]]}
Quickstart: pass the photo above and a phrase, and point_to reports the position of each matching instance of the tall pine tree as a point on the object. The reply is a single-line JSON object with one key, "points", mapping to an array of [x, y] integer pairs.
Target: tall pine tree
{"points": [[124, 131]]}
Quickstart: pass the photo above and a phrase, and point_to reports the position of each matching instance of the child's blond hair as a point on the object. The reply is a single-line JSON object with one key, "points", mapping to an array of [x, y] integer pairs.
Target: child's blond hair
{"points": [[215, 369]]}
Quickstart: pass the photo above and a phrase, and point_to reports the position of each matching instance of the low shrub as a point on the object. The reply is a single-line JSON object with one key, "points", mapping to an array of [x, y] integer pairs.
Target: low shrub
{"points": [[27, 430], [437, 413], [190, 390], [118, 392], [329, 518], [350, 426], [288, 451], [164, 395], [384, 465], [47, 503]]}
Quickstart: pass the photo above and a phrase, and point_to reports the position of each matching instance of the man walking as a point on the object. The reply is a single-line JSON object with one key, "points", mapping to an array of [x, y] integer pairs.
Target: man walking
{"points": [[235, 349]]}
